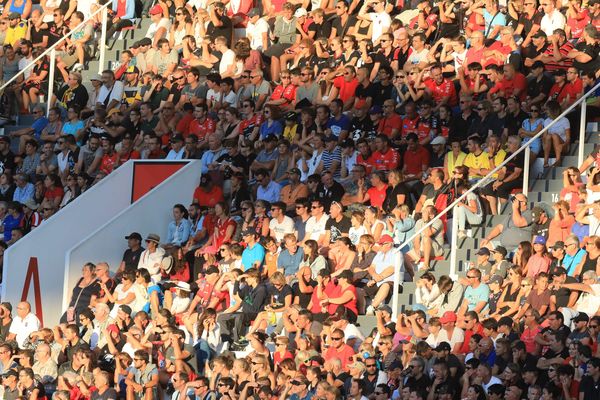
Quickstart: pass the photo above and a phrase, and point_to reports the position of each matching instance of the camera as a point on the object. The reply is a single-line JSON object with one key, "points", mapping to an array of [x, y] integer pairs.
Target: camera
{"points": [[407, 371], [512, 198]]}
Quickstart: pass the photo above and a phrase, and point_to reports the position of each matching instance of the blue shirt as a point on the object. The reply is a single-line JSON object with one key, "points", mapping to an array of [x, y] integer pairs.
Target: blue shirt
{"points": [[252, 255], [23, 194], [153, 288], [570, 262], [474, 296], [208, 158], [269, 193], [491, 21], [71, 128], [39, 125], [338, 125], [11, 223], [290, 262], [179, 234], [274, 129]]}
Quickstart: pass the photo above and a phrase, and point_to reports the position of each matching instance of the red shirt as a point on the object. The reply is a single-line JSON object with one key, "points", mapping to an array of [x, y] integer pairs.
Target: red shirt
{"points": [[131, 155], [442, 90], [474, 55], [573, 89], [558, 93], [205, 293], [368, 163], [288, 93], [347, 89], [409, 126], [51, 194], [344, 354], [578, 23], [415, 161], [208, 199], [108, 162], [183, 125], [221, 230], [201, 129], [509, 86], [247, 125], [478, 328], [387, 125], [377, 197], [386, 162], [331, 290]]}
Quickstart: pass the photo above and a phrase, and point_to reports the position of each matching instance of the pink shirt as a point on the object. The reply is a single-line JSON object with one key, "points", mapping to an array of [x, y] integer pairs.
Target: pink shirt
{"points": [[537, 264]]}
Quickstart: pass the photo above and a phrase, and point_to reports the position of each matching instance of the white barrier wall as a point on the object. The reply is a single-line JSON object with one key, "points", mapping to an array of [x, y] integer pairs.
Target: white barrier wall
{"points": [[52, 239], [150, 214]]}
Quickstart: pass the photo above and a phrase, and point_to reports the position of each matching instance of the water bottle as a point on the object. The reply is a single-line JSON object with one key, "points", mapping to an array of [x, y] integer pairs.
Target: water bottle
{"points": [[42, 98]]}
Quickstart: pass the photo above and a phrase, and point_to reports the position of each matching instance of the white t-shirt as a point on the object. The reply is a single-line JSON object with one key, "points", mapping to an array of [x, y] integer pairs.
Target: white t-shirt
{"points": [[559, 128], [550, 22], [227, 59], [314, 229], [381, 22], [23, 327], [116, 93], [254, 32], [280, 229], [383, 260], [154, 27], [416, 57], [589, 303], [355, 233], [458, 336]]}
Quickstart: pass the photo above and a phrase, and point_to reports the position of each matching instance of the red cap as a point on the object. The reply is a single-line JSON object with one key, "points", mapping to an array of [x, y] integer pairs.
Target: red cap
{"points": [[385, 239], [449, 316], [157, 9], [112, 328]]}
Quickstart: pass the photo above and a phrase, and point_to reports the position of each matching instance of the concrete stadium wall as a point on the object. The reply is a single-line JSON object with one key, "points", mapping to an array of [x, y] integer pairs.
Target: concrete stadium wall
{"points": [[48, 244], [150, 214]]}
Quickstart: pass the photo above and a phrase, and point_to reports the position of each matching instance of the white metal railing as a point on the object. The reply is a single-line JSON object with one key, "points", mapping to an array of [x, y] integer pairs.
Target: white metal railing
{"points": [[51, 51], [525, 146]]}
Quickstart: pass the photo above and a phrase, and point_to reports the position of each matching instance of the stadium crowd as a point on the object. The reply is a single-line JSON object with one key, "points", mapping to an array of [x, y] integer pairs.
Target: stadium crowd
{"points": [[328, 133]]}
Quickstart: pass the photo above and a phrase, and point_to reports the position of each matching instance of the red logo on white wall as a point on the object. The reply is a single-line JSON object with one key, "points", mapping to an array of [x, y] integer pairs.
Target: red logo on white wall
{"points": [[33, 273]]}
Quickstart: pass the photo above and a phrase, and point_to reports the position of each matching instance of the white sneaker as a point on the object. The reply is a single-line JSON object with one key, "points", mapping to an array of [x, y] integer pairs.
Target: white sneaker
{"points": [[370, 311], [461, 234], [77, 67]]}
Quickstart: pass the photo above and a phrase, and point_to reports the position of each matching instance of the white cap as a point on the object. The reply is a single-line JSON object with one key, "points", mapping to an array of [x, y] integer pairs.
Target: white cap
{"points": [[438, 140], [301, 12]]}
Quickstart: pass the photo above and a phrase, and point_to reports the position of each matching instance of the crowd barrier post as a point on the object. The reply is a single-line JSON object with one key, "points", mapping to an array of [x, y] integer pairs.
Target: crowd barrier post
{"points": [[526, 169], [51, 80], [582, 129], [102, 56], [453, 248]]}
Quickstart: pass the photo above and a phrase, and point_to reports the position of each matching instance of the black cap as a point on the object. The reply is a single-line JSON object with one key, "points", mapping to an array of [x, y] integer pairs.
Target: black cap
{"points": [[145, 42], [295, 171], [558, 245], [211, 270], [443, 346], [540, 33], [291, 116], [10, 372], [134, 235], [560, 72], [581, 317], [484, 251], [177, 138], [249, 231], [271, 138], [537, 64], [501, 249]]}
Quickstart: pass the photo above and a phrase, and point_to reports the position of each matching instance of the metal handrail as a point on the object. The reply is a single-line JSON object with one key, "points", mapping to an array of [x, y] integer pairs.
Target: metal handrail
{"points": [[524, 146], [52, 49]]}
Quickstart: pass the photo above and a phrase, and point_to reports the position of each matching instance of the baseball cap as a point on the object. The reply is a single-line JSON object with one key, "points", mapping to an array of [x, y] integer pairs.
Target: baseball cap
{"points": [[291, 116], [295, 171], [536, 212], [385, 239], [145, 42], [113, 112], [537, 64], [449, 316], [506, 321], [132, 69], [540, 33], [330, 138], [501, 249], [134, 235], [249, 231], [443, 346], [96, 77], [301, 12], [31, 204], [375, 110], [539, 240], [177, 138], [484, 251], [157, 9], [438, 140], [10, 372], [558, 271], [385, 308], [581, 317], [558, 245], [496, 279], [560, 72], [270, 138], [211, 270]]}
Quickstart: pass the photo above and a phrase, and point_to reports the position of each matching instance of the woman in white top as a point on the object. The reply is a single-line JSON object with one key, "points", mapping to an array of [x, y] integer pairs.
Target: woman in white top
{"points": [[312, 258], [372, 224], [124, 293], [557, 135], [468, 210], [427, 292], [182, 27]]}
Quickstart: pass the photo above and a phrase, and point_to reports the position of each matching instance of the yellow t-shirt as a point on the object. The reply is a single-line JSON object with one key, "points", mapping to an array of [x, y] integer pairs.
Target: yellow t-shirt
{"points": [[15, 34], [477, 162]]}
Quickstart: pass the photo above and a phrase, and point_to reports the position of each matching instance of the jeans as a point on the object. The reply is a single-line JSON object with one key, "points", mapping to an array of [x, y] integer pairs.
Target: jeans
{"points": [[203, 353], [462, 214]]}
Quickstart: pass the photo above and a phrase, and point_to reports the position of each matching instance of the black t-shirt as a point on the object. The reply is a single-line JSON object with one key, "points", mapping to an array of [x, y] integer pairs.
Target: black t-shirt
{"points": [[109, 394], [278, 296], [327, 195], [589, 387], [76, 97], [535, 87], [37, 36], [338, 228], [303, 298], [381, 93], [7, 161], [176, 92], [360, 127], [342, 30], [513, 122], [517, 162], [226, 29], [321, 30], [422, 384], [540, 229], [131, 258], [592, 51], [55, 33], [529, 22], [564, 353], [562, 294], [391, 197]]}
